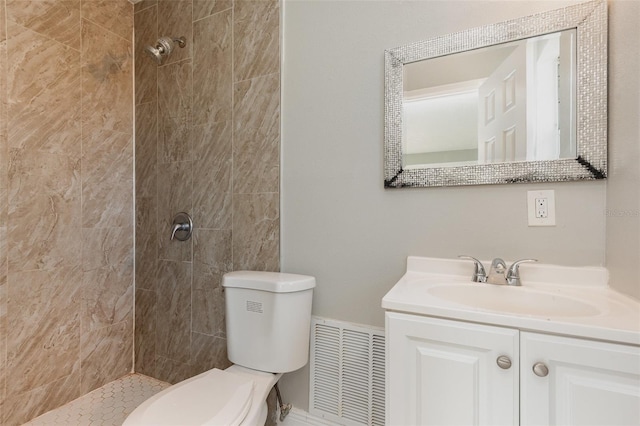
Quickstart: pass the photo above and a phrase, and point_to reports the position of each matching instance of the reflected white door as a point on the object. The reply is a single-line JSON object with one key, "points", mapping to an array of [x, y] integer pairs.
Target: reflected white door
{"points": [[502, 111]]}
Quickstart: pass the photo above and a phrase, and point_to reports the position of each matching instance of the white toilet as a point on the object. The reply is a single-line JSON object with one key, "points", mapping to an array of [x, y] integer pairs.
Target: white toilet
{"points": [[268, 318]]}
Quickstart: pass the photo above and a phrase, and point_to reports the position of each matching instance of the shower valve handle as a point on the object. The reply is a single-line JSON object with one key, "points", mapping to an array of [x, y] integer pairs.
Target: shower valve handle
{"points": [[182, 227]]}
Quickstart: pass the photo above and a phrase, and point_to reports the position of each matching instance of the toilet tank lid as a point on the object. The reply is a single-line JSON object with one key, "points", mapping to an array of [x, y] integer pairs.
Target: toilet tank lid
{"points": [[274, 282]]}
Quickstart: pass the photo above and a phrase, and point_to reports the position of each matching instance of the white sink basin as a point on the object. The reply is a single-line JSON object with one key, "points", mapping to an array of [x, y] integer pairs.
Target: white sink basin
{"points": [[517, 300], [573, 301]]}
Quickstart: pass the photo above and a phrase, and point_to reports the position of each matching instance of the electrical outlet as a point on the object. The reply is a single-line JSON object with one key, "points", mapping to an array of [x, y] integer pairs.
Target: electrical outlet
{"points": [[541, 208]]}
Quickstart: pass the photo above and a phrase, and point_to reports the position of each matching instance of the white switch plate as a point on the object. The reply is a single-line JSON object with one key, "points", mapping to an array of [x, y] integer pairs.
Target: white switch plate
{"points": [[536, 201]]}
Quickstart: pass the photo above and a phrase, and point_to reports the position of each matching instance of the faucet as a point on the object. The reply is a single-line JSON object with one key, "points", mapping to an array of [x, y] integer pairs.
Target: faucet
{"points": [[479, 274], [498, 273], [513, 273]]}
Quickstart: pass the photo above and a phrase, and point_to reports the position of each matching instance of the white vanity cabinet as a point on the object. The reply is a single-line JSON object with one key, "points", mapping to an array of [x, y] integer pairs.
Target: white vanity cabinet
{"points": [[444, 372], [588, 382]]}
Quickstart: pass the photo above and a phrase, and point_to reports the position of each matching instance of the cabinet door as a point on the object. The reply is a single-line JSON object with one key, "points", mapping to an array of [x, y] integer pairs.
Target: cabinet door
{"points": [[442, 372], [588, 383]]}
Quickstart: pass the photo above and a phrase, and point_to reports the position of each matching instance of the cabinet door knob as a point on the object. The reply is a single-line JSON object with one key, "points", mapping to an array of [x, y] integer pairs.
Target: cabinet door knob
{"points": [[504, 362], [540, 370]]}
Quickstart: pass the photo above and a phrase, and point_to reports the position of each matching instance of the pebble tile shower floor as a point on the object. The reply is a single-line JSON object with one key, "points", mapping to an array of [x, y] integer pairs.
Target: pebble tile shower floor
{"points": [[105, 406]]}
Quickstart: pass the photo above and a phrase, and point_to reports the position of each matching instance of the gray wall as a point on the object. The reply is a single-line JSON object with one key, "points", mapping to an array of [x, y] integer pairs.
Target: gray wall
{"points": [[338, 223], [623, 186]]}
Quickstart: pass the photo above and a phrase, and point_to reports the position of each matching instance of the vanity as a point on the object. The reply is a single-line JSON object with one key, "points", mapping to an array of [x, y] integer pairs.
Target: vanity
{"points": [[562, 348]]}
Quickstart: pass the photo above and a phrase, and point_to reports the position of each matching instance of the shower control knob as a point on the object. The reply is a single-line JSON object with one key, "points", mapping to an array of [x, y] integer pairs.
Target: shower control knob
{"points": [[540, 370], [504, 362], [182, 227]]}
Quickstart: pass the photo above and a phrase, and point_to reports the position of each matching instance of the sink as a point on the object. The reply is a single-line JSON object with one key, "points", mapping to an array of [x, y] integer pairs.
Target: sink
{"points": [[517, 300], [573, 301]]}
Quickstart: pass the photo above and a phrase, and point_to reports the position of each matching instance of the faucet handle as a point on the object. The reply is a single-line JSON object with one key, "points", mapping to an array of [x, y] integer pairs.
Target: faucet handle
{"points": [[479, 274], [513, 273]]}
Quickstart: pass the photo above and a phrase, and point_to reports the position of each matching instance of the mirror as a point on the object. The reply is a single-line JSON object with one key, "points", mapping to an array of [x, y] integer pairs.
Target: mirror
{"points": [[519, 101]]}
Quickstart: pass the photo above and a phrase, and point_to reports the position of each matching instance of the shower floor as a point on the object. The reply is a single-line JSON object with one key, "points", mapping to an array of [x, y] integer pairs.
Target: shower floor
{"points": [[105, 406]]}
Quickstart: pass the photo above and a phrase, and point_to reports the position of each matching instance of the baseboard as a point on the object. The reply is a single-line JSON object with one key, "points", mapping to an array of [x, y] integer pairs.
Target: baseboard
{"points": [[297, 417]]}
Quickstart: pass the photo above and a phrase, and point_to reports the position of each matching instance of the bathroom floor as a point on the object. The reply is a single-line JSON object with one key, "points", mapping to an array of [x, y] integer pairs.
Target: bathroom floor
{"points": [[105, 406]]}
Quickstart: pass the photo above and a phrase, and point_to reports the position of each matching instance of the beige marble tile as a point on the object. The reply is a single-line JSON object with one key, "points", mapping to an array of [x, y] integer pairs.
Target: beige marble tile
{"points": [[146, 69], [107, 287], [106, 248], [107, 179], [4, 143], [256, 38], [3, 26], [204, 8], [173, 314], [256, 229], [44, 211], [211, 260], [175, 179], [175, 94], [256, 155], [43, 93], [145, 332], [43, 326], [146, 215], [172, 371], [116, 16], [208, 352], [23, 406], [212, 68], [212, 169], [107, 86], [146, 259], [175, 19], [146, 148], [3, 315], [106, 354], [55, 19], [144, 4], [107, 296], [174, 139]]}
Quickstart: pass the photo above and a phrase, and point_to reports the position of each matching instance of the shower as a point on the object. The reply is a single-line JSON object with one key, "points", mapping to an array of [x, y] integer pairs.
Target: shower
{"points": [[164, 46]]}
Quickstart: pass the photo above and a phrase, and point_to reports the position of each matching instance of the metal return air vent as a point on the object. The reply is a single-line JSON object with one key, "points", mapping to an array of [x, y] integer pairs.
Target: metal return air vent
{"points": [[347, 372]]}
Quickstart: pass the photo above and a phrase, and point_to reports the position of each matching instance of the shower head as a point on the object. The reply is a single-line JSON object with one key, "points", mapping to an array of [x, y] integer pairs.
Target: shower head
{"points": [[164, 47]]}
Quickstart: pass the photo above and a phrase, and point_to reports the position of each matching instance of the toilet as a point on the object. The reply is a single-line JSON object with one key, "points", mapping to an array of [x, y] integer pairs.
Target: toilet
{"points": [[268, 317]]}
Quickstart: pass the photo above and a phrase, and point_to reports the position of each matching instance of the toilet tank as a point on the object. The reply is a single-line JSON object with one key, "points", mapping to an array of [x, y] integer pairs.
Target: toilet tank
{"points": [[268, 317]]}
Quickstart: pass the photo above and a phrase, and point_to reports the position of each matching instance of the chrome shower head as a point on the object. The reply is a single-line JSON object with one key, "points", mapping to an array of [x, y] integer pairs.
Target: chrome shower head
{"points": [[164, 47]]}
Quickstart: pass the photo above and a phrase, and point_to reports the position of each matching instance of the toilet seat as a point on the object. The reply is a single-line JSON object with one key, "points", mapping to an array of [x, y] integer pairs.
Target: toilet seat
{"points": [[215, 397], [235, 396]]}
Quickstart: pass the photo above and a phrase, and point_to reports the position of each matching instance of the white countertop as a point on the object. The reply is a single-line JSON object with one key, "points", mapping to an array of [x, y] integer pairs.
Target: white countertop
{"points": [[615, 317]]}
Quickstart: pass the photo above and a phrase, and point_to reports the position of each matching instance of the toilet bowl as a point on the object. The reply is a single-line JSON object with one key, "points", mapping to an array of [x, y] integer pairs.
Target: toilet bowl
{"points": [[232, 397], [268, 317]]}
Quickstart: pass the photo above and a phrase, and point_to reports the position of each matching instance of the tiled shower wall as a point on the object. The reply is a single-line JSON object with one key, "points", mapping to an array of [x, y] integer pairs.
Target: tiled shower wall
{"points": [[207, 143], [66, 201]]}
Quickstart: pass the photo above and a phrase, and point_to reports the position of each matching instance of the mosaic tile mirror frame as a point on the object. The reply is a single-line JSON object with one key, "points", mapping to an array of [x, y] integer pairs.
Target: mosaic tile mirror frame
{"points": [[590, 162]]}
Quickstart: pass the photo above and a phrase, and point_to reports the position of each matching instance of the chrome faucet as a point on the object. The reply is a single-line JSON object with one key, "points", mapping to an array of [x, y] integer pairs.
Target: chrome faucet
{"points": [[499, 274], [479, 274], [513, 273]]}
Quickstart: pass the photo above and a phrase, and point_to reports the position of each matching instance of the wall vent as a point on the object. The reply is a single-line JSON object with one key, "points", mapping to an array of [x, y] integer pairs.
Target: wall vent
{"points": [[347, 372]]}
